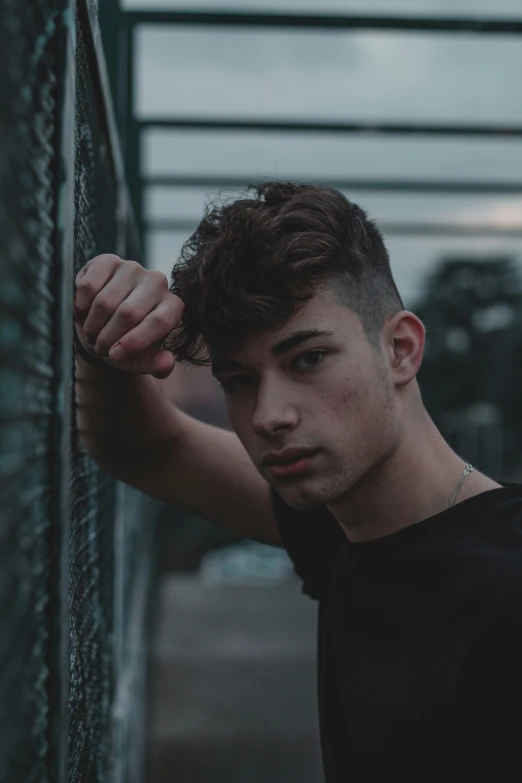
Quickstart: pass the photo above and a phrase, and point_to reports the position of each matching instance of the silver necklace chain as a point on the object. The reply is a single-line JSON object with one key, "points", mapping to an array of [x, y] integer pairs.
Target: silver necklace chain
{"points": [[467, 470]]}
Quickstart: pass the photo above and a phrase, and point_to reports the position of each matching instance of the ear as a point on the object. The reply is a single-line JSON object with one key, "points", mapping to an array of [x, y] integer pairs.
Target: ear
{"points": [[404, 335]]}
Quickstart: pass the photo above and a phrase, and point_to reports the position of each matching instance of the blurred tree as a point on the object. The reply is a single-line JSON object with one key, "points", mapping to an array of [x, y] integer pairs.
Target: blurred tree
{"points": [[472, 367]]}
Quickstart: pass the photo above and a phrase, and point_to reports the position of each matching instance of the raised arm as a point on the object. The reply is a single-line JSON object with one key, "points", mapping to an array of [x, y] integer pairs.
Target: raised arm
{"points": [[128, 426]]}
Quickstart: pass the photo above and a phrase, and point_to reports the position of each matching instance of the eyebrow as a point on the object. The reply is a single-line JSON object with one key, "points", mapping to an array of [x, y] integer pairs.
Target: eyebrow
{"points": [[296, 338]]}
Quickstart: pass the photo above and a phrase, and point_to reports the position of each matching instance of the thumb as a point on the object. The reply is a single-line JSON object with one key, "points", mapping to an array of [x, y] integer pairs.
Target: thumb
{"points": [[152, 361]]}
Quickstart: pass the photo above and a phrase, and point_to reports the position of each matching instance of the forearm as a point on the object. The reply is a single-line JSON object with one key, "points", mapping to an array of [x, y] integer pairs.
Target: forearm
{"points": [[120, 415]]}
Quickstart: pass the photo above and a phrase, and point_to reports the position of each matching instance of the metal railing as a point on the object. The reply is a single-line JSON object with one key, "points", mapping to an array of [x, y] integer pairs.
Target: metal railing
{"points": [[123, 65]]}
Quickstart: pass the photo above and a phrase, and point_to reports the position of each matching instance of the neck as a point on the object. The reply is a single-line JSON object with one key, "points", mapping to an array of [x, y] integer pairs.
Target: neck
{"points": [[415, 481]]}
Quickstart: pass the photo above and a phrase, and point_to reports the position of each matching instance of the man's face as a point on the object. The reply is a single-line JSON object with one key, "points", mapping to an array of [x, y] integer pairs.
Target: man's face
{"points": [[329, 393]]}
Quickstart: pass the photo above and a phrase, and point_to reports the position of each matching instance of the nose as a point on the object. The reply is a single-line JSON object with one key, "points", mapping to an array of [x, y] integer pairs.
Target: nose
{"points": [[273, 412]]}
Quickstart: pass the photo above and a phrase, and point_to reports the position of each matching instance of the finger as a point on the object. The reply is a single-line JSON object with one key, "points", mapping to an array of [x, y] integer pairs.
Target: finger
{"points": [[98, 271], [153, 361], [104, 259], [152, 329], [163, 364], [146, 296], [109, 298]]}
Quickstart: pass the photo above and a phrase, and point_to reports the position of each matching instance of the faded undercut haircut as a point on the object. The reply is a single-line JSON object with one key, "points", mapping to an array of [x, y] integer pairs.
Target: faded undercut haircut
{"points": [[254, 262]]}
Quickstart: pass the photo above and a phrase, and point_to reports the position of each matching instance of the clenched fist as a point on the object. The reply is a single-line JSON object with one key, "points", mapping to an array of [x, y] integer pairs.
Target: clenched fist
{"points": [[122, 314]]}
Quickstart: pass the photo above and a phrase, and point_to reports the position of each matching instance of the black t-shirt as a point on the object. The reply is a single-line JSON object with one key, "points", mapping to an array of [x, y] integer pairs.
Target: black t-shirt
{"points": [[419, 633]]}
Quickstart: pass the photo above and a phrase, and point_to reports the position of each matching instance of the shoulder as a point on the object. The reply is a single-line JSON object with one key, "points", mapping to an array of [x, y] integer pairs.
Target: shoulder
{"points": [[493, 547], [501, 531]]}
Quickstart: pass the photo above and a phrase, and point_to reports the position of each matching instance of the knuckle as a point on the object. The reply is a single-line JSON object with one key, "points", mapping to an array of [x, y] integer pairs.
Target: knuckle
{"points": [[129, 314], [135, 267], [106, 258], [80, 309], [177, 302], [159, 276], [161, 320], [87, 287], [105, 304]]}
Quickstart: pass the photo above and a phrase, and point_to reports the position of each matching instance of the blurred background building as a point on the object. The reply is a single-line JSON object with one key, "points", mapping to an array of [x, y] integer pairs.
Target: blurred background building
{"points": [[416, 117]]}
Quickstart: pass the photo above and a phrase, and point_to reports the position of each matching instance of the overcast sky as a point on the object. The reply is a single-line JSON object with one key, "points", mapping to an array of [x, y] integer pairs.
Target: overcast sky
{"points": [[337, 75]]}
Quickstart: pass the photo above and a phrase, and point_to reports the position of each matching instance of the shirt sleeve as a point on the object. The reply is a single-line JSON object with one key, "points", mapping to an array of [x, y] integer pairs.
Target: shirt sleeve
{"points": [[312, 539]]}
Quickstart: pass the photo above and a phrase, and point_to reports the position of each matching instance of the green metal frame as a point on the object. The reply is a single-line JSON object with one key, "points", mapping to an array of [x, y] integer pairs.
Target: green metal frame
{"points": [[414, 24], [109, 18], [130, 21], [434, 187], [399, 228]]}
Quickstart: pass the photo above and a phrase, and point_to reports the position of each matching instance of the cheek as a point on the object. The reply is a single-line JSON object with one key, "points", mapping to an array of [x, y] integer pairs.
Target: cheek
{"points": [[348, 398], [349, 418], [360, 404]]}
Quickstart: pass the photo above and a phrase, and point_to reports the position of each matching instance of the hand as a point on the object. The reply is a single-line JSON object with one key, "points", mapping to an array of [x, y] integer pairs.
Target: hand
{"points": [[120, 305]]}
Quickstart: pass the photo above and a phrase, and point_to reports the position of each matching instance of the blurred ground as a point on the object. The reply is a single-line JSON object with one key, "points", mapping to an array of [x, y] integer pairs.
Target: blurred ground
{"points": [[233, 685]]}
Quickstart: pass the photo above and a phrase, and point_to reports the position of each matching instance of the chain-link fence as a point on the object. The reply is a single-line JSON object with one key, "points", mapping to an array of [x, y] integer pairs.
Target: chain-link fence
{"points": [[75, 545]]}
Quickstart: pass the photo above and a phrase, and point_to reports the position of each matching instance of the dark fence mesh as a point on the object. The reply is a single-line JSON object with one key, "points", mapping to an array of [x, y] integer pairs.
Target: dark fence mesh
{"points": [[108, 528], [28, 130], [92, 500]]}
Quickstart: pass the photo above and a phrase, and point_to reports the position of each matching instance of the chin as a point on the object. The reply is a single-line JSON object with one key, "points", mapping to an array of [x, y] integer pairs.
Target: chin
{"points": [[306, 495], [303, 498]]}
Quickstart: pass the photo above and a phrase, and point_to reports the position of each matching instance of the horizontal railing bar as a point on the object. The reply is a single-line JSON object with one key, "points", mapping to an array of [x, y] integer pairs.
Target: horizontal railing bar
{"points": [[466, 25], [306, 126], [398, 229], [383, 185]]}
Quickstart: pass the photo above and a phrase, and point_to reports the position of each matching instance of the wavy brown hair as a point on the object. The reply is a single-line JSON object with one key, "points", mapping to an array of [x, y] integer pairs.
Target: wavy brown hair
{"points": [[254, 262]]}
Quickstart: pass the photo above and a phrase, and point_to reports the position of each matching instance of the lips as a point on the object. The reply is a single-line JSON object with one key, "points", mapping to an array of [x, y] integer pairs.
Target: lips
{"points": [[287, 456]]}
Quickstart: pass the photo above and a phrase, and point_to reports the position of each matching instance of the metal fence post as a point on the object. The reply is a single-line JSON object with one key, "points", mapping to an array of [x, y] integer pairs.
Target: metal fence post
{"points": [[109, 19], [133, 162], [59, 587]]}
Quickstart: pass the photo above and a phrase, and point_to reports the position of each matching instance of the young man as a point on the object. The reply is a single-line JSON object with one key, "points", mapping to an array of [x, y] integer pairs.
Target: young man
{"points": [[414, 557]]}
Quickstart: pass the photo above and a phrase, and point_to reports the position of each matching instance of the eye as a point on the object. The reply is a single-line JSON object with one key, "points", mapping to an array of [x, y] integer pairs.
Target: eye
{"points": [[311, 358], [228, 385], [308, 357]]}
